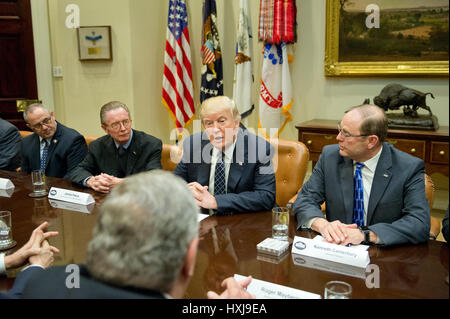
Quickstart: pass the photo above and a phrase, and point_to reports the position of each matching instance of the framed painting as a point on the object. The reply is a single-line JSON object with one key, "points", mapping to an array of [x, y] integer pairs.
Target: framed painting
{"points": [[94, 43], [384, 37]]}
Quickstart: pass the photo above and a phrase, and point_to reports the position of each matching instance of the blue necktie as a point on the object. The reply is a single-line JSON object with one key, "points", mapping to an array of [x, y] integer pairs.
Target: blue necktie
{"points": [[358, 197], [219, 177], [44, 156]]}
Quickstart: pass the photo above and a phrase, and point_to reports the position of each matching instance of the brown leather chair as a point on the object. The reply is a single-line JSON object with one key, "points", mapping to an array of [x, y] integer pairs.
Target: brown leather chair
{"points": [[24, 134], [89, 139], [171, 155], [290, 164]]}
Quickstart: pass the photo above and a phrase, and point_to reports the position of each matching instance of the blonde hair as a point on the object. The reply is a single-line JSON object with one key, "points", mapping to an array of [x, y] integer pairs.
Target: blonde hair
{"points": [[217, 104]]}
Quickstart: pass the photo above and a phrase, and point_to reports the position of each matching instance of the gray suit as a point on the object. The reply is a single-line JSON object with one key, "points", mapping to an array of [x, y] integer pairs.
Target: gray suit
{"points": [[398, 210], [10, 140]]}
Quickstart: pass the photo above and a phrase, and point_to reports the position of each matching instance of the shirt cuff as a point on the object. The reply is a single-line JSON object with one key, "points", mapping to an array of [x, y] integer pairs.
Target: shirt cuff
{"points": [[2, 264], [85, 180], [309, 223]]}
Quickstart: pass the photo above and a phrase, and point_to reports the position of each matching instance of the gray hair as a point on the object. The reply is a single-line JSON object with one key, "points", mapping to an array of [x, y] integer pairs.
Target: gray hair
{"points": [[374, 121], [30, 108], [217, 104], [112, 106], [143, 232]]}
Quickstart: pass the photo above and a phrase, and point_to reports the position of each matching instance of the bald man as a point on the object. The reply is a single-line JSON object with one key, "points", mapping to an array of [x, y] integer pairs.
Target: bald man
{"points": [[374, 193]]}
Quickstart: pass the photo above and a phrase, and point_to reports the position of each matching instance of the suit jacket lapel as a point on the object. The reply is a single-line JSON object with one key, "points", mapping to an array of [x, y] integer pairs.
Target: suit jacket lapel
{"points": [[380, 181], [54, 142], [204, 167], [35, 162], [236, 168], [346, 180], [133, 154]]}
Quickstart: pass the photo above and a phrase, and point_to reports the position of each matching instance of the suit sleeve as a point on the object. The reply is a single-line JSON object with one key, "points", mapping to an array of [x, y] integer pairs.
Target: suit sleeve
{"points": [[25, 162], [311, 196], [19, 283], [445, 226], [88, 167], [10, 144], [154, 160], [76, 154], [414, 225]]}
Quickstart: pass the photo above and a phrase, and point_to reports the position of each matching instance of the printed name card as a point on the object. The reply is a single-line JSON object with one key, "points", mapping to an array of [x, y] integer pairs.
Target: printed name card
{"points": [[70, 196], [71, 206], [267, 290], [354, 256], [6, 183]]}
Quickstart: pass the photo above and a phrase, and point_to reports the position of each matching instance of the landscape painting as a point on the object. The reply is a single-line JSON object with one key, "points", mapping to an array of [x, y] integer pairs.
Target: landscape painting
{"points": [[379, 37]]}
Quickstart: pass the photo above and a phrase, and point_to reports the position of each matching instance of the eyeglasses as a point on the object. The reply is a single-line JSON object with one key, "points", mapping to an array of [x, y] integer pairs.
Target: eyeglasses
{"points": [[117, 125], [45, 122], [347, 134]]}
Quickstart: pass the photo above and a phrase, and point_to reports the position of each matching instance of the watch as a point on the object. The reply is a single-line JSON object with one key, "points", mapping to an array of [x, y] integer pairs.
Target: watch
{"points": [[366, 232]]}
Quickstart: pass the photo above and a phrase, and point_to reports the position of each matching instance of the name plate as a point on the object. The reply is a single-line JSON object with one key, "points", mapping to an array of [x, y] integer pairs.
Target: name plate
{"points": [[6, 183], [71, 206], [267, 290], [354, 256], [70, 196]]}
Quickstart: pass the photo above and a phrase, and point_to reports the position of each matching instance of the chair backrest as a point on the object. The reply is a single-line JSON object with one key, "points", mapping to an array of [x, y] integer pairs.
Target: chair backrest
{"points": [[290, 164], [89, 139], [25, 133], [171, 155]]}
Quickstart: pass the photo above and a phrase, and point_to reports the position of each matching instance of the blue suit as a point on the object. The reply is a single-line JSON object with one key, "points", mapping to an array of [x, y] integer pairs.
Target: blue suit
{"points": [[67, 149], [398, 210], [9, 146], [20, 282], [251, 181]]}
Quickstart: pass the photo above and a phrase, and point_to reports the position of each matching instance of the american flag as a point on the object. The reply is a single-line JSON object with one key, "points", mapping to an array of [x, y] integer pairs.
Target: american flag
{"points": [[177, 89]]}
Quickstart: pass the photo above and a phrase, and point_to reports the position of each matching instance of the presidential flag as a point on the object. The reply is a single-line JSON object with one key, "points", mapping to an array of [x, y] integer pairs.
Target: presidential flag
{"points": [[243, 71], [212, 75], [177, 91], [275, 100]]}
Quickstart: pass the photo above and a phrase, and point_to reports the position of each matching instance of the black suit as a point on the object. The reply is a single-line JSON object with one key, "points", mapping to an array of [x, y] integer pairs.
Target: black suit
{"points": [[9, 146], [144, 154], [66, 150], [251, 183], [52, 283]]}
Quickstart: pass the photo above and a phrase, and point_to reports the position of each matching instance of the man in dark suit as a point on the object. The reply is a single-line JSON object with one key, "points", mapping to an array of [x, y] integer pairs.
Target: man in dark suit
{"points": [[374, 193], [144, 246], [120, 153], [229, 170], [9, 146], [54, 147], [37, 251]]}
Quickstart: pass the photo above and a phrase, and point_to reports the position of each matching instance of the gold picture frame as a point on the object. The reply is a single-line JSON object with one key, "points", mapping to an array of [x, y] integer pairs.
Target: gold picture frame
{"points": [[334, 67]]}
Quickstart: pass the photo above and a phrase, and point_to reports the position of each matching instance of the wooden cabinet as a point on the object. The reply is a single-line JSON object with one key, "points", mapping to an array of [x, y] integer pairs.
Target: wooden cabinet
{"points": [[430, 146]]}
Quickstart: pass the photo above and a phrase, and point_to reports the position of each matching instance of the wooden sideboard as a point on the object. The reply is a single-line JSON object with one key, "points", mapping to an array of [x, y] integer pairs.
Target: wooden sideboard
{"points": [[430, 146]]}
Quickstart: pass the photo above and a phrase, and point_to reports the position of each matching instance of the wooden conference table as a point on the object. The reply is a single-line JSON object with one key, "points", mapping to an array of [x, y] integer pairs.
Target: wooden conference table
{"points": [[228, 247]]}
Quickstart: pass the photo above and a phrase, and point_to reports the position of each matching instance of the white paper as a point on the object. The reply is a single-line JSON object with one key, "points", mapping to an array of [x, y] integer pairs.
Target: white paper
{"points": [[6, 183], [201, 217], [70, 196], [357, 247], [267, 290], [322, 250]]}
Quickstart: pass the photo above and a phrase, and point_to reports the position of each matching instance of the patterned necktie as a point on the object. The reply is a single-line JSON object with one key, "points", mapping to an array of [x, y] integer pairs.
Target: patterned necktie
{"points": [[219, 177], [44, 156], [358, 197]]}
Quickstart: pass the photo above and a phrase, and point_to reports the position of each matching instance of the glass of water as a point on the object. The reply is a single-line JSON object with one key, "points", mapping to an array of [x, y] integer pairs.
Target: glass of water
{"points": [[337, 290], [6, 240], [38, 180], [280, 223]]}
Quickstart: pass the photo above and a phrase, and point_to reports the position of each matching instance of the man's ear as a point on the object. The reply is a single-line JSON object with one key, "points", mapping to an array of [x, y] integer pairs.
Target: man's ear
{"points": [[189, 261], [373, 141], [104, 127]]}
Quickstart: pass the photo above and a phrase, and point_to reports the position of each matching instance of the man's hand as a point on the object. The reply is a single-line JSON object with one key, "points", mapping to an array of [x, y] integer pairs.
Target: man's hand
{"points": [[334, 232], [45, 256], [201, 195], [32, 247], [233, 289]]}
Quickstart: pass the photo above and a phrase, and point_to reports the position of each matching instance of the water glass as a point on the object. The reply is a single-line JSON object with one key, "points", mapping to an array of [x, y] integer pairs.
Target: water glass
{"points": [[337, 290], [280, 223], [38, 180], [6, 240]]}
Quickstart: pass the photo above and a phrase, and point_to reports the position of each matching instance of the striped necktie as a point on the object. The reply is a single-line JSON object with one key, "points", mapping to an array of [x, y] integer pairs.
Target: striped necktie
{"points": [[219, 177], [44, 155], [358, 197]]}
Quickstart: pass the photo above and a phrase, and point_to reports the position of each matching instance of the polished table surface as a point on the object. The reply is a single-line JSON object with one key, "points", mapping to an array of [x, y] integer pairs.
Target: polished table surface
{"points": [[228, 246]]}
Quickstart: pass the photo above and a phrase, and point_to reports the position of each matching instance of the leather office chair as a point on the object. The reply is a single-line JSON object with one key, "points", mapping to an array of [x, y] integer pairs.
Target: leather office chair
{"points": [[89, 139], [170, 156], [24, 134], [290, 165]]}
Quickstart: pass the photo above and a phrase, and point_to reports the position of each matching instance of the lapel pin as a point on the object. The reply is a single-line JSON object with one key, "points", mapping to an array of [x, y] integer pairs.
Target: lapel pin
{"points": [[134, 152], [240, 163], [386, 175], [55, 141]]}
